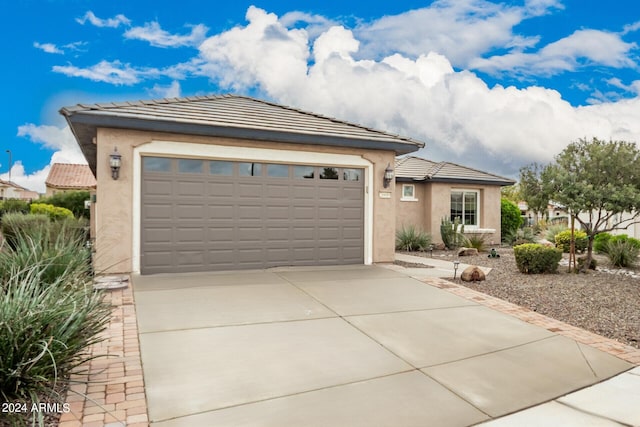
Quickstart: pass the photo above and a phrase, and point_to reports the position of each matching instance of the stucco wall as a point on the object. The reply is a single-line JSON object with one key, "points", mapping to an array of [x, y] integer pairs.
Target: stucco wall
{"points": [[435, 203], [114, 205]]}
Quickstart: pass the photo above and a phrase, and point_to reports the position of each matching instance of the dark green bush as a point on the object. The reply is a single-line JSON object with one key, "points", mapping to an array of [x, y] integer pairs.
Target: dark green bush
{"points": [[72, 200], [563, 240], [510, 219], [54, 212], [600, 242], [534, 258], [411, 239], [622, 252]]}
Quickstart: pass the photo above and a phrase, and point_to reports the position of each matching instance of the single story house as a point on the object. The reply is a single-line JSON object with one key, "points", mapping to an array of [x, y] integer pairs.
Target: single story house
{"points": [[231, 182], [65, 177], [427, 192], [11, 190]]}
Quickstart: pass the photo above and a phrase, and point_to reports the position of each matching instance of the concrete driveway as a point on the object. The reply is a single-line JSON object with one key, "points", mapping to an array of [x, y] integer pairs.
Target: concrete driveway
{"points": [[342, 346]]}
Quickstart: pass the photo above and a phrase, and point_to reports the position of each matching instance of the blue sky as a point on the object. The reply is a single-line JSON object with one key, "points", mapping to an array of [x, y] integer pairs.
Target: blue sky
{"points": [[488, 84]]}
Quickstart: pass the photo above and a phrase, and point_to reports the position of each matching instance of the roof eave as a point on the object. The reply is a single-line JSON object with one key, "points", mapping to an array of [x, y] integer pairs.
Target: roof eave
{"points": [[84, 127], [501, 183]]}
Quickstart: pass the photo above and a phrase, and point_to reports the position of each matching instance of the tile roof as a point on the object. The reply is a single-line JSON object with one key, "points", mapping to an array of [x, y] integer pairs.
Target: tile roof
{"points": [[419, 169], [70, 176], [231, 116]]}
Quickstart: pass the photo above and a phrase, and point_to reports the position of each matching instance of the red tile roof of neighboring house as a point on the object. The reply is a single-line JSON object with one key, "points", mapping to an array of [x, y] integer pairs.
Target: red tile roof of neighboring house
{"points": [[66, 175]]}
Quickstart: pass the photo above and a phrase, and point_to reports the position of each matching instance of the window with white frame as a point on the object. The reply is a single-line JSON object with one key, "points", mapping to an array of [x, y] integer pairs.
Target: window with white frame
{"points": [[408, 192], [465, 204]]}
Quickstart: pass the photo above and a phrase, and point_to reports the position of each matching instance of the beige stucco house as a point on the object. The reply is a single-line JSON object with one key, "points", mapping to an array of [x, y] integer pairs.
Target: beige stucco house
{"points": [[11, 190], [426, 192], [231, 182], [64, 177]]}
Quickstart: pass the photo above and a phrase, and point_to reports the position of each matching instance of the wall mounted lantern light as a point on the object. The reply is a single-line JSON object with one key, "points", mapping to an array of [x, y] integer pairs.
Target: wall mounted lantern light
{"points": [[115, 160], [388, 176]]}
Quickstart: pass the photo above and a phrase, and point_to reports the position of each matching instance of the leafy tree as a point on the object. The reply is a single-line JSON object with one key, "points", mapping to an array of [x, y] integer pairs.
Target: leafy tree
{"points": [[72, 200], [532, 189], [599, 180], [510, 218], [512, 193]]}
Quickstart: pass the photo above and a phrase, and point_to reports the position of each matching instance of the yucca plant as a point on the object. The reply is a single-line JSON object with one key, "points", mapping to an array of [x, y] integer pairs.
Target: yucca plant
{"points": [[622, 253], [410, 239], [477, 241]]}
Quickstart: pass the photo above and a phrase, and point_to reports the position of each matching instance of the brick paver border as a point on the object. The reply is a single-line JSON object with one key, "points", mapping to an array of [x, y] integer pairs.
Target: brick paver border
{"points": [[110, 391]]}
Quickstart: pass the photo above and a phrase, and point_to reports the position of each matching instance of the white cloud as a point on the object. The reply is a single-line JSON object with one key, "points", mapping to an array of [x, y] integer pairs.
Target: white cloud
{"points": [[113, 72], [48, 48], [629, 28], [456, 113], [114, 22], [156, 36], [60, 140], [583, 47], [171, 91]]}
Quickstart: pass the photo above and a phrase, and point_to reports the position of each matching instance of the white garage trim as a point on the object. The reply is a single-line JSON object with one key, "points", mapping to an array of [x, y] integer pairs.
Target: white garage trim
{"points": [[191, 150]]}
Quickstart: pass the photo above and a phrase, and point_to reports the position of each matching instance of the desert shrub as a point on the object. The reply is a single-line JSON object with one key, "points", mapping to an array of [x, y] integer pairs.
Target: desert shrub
{"points": [[563, 240], [13, 206], [552, 230], [452, 233], [622, 252], [15, 224], [50, 327], [411, 239], [520, 236], [534, 258], [72, 200], [53, 212], [582, 259], [478, 241], [510, 217]]}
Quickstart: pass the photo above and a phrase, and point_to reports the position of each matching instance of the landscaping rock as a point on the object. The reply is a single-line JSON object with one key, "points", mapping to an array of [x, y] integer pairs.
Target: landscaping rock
{"points": [[472, 274], [467, 252]]}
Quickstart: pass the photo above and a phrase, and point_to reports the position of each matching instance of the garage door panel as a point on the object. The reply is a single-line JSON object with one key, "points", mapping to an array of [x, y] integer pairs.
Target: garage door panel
{"points": [[158, 211], [190, 188], [248, 190], [161, 187], [220, 189], [187, 211], [207, 221]]}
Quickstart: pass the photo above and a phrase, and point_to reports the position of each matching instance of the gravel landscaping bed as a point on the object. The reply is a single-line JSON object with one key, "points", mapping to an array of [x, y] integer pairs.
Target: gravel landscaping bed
{"points": [[606, 301]]}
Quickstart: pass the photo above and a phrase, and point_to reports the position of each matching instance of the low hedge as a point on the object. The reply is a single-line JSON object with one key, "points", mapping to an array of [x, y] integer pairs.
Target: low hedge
{"points": [[602, 241], [534, 258], [563, 240]]}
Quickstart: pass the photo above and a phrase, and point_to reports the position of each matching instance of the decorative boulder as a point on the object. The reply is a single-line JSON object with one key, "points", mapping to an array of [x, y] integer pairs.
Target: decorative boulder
{"points": [[467, 251], [472, 274]]}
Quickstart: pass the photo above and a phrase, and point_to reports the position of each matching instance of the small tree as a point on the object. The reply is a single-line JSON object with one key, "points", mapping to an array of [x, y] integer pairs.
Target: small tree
{"points": [[532, 189], [600, 180]]}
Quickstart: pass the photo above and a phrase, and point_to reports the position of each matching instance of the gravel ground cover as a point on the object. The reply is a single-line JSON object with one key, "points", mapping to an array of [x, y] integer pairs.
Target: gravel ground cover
{"points": [[606, 301]]}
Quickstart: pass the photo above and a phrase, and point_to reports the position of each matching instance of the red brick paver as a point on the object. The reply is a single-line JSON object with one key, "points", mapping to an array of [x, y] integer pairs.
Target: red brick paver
{"points": [[622, 351], [110, 390]]}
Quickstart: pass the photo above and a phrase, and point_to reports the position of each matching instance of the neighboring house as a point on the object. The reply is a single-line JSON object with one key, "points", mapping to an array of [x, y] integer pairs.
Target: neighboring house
{"points": [[65, 177], [555, 213], [11, 190], [231, 182], [427, 192]]}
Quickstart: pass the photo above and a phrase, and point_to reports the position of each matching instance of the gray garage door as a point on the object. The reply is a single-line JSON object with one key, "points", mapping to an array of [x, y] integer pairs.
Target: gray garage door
{"points": [[205, 215]]}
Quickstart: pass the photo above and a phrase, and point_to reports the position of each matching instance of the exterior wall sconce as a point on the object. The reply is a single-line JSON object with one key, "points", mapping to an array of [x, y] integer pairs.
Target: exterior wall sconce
{"points": [[115, 159], [388, 176]]}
